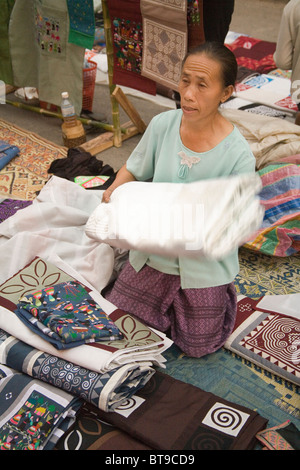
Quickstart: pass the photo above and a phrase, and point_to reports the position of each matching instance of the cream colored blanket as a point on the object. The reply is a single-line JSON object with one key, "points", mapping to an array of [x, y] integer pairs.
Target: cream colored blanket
{"points": [[270, 138]]}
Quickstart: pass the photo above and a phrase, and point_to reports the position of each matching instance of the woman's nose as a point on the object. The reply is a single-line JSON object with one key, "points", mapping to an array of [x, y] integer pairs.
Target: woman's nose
{"points": [[189, 93]]}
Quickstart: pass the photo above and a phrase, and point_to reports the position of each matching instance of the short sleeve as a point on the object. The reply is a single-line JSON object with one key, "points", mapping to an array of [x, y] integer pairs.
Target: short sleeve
{"points": [[141, 161], [246, 163]]}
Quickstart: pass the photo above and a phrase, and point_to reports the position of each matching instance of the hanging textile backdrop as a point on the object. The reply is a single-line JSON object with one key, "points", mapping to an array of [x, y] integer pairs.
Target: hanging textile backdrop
{"points": [[127, 36], [82, 23], [41, 55], [151, 38], [195, 23], [165, 40], [5, 63]]}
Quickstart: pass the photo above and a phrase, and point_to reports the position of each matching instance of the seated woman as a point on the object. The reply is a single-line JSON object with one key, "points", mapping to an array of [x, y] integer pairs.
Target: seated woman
{"points": [[194, 298]]}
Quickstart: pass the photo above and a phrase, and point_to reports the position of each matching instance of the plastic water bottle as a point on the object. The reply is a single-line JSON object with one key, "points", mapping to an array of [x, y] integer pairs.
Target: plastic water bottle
{"points": [[68, 111]]}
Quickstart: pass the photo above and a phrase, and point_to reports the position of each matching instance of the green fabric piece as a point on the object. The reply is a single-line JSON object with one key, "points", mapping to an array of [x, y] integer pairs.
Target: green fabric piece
{"points": [[6, 73], [82, 23], [41, 55]]}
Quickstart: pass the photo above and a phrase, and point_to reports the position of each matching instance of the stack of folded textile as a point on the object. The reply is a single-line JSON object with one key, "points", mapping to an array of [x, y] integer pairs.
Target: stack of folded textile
{"points": [[105, 372]]}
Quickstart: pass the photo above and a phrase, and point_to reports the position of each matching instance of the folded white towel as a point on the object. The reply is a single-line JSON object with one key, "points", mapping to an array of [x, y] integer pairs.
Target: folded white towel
{"points": [[210, 217]]}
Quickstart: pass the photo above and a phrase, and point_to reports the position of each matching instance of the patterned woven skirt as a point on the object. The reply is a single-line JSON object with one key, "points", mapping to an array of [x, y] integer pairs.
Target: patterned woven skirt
{"points": [[199, 320]]}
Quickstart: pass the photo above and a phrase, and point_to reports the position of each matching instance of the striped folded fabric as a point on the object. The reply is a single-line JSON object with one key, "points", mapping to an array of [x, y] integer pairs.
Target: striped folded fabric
{"points": [[279, 234]]}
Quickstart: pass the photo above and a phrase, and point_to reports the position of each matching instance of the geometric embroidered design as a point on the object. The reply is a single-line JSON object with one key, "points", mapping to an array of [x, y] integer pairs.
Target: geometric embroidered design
{"points": [[276, 339], [225, 419], [175, 4], [163, 54]]}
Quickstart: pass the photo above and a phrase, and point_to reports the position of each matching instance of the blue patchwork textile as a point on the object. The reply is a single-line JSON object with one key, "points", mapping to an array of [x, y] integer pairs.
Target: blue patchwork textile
{"points": [[66, 315]]}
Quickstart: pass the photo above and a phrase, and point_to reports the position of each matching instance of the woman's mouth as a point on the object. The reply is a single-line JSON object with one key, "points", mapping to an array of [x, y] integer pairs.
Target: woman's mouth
{"points": [[188, 109]]}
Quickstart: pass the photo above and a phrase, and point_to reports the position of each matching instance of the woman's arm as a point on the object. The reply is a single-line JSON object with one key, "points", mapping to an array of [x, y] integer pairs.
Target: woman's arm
{"points": [[123, 176]]}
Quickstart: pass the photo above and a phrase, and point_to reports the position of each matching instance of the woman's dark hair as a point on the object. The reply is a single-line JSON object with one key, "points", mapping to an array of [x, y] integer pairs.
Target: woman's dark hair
{"points": [[217, 51]]}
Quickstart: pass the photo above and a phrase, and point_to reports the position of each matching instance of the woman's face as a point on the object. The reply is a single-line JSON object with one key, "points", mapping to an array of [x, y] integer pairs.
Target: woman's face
{"points": [[201, 87]]}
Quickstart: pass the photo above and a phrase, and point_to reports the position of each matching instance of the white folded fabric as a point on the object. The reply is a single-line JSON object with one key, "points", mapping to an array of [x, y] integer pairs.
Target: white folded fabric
{"points": [[287, 304], [55, 223], [210, 217]]}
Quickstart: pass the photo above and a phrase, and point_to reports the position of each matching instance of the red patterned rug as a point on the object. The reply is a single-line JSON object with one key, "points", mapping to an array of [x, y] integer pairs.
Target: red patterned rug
{"points": [[27, 173]]}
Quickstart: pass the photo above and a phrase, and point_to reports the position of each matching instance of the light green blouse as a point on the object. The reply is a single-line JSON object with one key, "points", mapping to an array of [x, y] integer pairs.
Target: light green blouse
{"points": [[161, 156]]}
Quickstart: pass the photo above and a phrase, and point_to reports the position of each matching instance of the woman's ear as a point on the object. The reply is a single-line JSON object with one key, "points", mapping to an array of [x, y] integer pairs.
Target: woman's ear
{"points": [[227, 93]]}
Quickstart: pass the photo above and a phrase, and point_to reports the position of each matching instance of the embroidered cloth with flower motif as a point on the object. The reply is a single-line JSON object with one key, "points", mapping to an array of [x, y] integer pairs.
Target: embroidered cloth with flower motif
{"points": [[66, 315]]}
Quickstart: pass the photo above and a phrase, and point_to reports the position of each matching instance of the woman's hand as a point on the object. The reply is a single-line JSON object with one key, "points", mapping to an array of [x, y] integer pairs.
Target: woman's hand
{"points": [[123, 176], [106, 195]]}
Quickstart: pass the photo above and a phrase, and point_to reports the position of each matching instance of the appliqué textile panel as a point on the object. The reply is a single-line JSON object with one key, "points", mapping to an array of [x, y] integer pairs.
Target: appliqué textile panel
{"points": [[238, 380], [168, 414], [32, 413], [267, 89], [66, 315], [268, 339], [52, 64], [128, 43], [165, 40]]}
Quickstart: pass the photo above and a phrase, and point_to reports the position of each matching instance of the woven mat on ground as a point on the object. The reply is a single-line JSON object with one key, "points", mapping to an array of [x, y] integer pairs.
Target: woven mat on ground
{"points": [[26, 174], [262, 274]]}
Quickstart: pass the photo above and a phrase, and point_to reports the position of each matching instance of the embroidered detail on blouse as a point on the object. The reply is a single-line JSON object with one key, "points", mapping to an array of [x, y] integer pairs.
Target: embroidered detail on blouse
{"points": [[186, 163]]}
